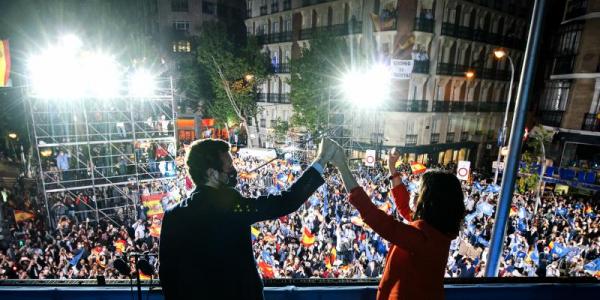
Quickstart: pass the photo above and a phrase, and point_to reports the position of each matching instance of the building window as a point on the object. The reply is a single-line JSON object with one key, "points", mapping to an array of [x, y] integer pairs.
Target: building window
{"points": [[576, 8], [179, 5], [209, 8], [565, 48], [181, 26], [555, 95], [182, 46], [263, 123]]}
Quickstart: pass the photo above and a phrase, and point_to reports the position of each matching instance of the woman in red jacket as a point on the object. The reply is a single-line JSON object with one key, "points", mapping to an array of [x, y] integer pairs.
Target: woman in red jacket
{"points": [[419, 250]]}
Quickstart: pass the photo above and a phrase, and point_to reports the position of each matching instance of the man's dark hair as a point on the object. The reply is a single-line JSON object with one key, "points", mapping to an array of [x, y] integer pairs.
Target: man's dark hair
{"points": [[441, 202], [203, 155]]}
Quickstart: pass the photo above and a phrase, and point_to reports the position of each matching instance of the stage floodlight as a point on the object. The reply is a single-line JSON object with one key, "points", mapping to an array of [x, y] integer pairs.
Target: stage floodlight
{"points": [[70, 42], [367, 89], [55, 73], [102, 75], [142, 84]]}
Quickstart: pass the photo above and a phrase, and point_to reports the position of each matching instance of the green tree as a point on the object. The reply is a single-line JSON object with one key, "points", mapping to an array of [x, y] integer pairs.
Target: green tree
{"points": [[536, 143], [235, 70], [314, 76], [280, 130]]}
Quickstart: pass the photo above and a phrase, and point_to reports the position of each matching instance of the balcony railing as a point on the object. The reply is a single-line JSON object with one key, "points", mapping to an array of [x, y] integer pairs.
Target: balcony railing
{"points": [[451, 69], [281, 68], [337, 29], [452, 106], [450, 137], [464, 136], [287, 5], [277, 37], [407, 106], [468, 33], [263, 10], [576, 8], [591, 122], [424, 25], [273, 98], [411, 139], [435, 138], [313, 2], [421, 66], [274, 7], [551, 118]]}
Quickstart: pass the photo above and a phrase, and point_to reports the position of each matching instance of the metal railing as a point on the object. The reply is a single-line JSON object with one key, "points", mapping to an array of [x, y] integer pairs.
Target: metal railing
{"points": [[408, 106], [591, 122], [551, 118], [421, 66], [450, 137], [435, 138], [273, 98], [424, 25], [281, 68], [411, 139]]}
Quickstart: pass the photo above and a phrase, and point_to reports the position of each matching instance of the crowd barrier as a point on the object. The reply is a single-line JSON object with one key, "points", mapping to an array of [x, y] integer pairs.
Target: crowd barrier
{"points": [[350, 290]]}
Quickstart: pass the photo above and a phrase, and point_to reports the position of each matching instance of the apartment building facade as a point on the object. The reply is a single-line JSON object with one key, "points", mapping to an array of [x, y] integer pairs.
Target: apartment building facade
{"points": [[569, 103], [438, 115]]}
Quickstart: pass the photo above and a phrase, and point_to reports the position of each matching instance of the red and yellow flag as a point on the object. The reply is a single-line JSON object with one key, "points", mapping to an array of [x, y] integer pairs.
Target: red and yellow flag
{"points": [[120, 245], [333, 255], [513, 211], [155, 230], [307, 237], [21, 216], [417, 168], [153, 202], [144, 276], [4, 63], [266, 270]]}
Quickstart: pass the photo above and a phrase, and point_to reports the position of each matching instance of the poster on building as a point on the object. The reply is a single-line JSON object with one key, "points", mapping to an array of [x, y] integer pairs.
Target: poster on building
{"points": [[154, 204], [370, 158], [463, 169], [401, 69]]}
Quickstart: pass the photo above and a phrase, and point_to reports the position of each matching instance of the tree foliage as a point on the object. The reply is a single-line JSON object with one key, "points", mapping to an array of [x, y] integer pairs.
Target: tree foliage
{"points": [[314, 77], [227, 63]]}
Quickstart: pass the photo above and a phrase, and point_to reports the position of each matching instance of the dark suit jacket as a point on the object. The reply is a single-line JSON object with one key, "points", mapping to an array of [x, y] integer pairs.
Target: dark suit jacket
{"points": [[206, 246]]}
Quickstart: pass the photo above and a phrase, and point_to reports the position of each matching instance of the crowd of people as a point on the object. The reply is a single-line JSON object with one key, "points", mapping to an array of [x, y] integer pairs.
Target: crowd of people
{"points": [[326, 238]]}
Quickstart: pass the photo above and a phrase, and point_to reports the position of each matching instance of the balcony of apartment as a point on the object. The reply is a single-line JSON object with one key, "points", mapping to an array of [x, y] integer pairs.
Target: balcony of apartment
{"points": [[248, 13], [273, 98], [451, 69], [407, 106], [435, 138], [313, 2], [452, 106], [464, 136], [337, 29], [263, 10], [564, 64], [277, 37], [551, 118], [479, 35], [591, 122], [287, 5], [450, 137], [576, 8], [424, 24], [274, 7], [281, 68], [411, 140], [421, 66], [491, 106]]}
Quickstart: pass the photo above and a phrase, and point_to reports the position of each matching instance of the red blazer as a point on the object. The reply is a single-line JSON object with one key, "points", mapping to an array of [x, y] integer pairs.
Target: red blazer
{"points": [[417, 258]]}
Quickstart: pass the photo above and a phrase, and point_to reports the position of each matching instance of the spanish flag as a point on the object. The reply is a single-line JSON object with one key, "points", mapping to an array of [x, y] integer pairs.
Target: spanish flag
{"points": [[589, 209], [21, 216], [144, 276], [4, 63], [333, 255], [120, 245], [266, 270], [513, 211], [417, 168], [155, 230], [307, 237], [327, 262]]}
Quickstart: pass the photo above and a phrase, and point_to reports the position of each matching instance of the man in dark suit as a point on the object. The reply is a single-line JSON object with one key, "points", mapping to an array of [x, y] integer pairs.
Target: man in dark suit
{"points": [[205, 243]]}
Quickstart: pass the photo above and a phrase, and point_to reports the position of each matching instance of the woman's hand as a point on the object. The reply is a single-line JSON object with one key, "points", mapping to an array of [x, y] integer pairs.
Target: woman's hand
{"points": [[394, 156]]}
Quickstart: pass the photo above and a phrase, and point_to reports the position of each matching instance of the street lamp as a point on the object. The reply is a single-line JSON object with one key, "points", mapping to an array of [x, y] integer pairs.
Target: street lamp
{"points": [[12, 135], [470, 74], [501, 54]]}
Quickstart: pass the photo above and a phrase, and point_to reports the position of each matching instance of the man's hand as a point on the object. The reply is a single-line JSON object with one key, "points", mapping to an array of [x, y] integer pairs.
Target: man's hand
{"points": [[339, 159], [392, 159], [326, 151]]}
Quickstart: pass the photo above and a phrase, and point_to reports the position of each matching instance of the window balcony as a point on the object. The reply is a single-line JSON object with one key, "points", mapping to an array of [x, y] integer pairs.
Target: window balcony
{"points": [[281, 68], [411, 140], [576, 8], [450, 137], [263, 10], [424, 25], [551, 118], [408, 106], [435, 138], [421, 66], [464, 136], [449, 106], [274, 7], [287, 5], [451, 69], [591, 122]]}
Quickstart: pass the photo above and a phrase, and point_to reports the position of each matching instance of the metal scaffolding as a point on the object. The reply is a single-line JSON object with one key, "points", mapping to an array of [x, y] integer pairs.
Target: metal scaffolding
{"points": [[102, 153]]}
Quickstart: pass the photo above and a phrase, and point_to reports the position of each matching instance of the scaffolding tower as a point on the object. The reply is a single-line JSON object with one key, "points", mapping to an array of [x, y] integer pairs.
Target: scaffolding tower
{"points": [[101, 154]]}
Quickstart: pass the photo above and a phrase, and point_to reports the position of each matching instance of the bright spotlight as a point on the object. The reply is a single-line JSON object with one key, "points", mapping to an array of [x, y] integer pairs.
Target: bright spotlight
{"points": [[142, 84], [102, 73], [369, 88], [56, 73], [71, 42]]}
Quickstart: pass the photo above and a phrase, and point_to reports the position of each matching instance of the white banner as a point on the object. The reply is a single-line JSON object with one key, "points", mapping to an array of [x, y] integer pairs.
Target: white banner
{"points": [[370, 158], [463, 169], [495, 165], [401, 69]]}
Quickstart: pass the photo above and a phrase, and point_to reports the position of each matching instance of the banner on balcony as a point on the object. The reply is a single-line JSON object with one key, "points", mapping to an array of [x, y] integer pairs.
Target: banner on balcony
{"points": [[401, 69]]}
